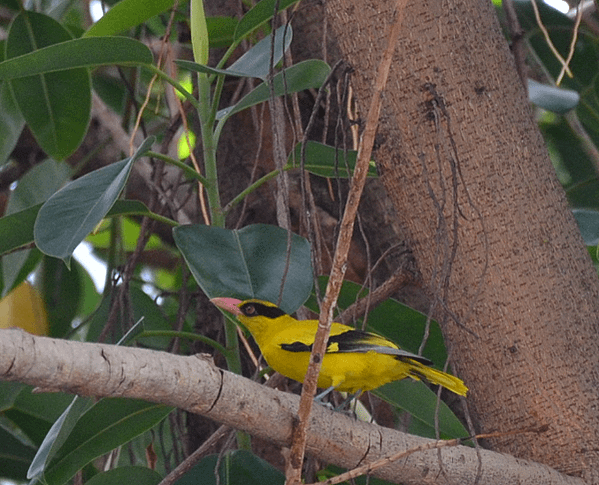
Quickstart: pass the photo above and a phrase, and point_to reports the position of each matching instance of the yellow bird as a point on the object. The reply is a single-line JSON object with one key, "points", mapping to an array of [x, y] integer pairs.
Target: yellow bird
{"points": [[354, 360]]}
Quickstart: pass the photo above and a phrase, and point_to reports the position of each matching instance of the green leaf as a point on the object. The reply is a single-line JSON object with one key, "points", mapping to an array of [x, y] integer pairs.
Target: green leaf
{"points": [[255, 62], [199, 32], [588, 222], [77, 53], [36, 186], [221, 31], [57, 435], [127, 14], [328, 161], [235, 468], [12, 4], [57, 105], [304, 75], [11, 123], [106, 425], [80, 206], [62, 291], [17, 228], [420, 402], [259, 15], [551, 98], [248, 263], [15, 457], [128, 474]]}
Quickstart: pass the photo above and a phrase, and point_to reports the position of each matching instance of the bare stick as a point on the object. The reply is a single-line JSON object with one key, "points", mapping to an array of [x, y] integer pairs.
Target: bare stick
{"points": [[340, 259]]}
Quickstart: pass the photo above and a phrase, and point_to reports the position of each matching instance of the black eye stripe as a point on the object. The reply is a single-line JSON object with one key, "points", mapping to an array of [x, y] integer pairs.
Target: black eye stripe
{"points": [[253, 309]]}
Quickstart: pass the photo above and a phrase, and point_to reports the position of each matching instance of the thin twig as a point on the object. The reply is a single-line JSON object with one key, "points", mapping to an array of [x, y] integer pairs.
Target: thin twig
{"points": [[438, 444], [397, 280], [557, 55], [299, 434], [572, 44], [193, 459]]}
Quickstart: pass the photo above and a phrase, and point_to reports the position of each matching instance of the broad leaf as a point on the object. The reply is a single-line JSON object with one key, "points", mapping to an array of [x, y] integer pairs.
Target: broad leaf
{"points": [[57, 435], [11, 123], [328, 161], [552, 98], [255, 62], [77, 53], [56, 105], [126, 14], [237, 467], [77, 208], [35, 187], [588, 222], [304, 75], [106, 425], [15, 457], [248, 263], [261, 13], [138, 475], [420, 402], [221, 31], [17, 228]]}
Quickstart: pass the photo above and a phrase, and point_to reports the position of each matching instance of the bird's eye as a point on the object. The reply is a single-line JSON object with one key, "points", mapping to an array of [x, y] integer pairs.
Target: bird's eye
{"points": [[249, 310]]}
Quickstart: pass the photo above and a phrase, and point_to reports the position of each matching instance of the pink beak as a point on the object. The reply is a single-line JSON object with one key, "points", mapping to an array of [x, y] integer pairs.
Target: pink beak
{"points": [[229, 304]]}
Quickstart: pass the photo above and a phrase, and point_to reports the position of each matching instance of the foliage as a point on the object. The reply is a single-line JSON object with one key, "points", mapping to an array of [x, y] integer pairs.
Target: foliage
{"points": [[51, 65]]}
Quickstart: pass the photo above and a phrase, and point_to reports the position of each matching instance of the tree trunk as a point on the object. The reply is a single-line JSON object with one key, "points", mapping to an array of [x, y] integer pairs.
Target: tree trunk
{"points": [[487, 219]]}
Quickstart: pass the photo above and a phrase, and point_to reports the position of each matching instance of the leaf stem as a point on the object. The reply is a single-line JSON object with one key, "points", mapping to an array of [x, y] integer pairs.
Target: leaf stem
{"points": [[190, 171]]}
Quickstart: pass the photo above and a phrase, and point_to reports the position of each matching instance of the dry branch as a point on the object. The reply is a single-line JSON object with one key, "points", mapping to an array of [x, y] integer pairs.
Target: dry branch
{"points": [[196, 385]]}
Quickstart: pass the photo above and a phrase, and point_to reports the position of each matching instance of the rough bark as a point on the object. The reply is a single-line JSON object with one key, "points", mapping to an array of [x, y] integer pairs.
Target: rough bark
{"points": [[488, 222], [196, 385]]}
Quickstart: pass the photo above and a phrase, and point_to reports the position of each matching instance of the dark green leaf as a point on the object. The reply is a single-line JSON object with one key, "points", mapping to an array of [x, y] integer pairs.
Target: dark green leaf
{"points": [[14, 457], [36, 186], [128, 474], [56, 105], [421, 403], [17, 228], [255, 62], [106, 425], [236, 468], [126, 14], [12, 4], [80, 206], [62, 291], [552, 98], [11, 122], [328, 161], [57, 435], [248, 263], [85, 52], [259, 15], [221, 31], [304, 75]]}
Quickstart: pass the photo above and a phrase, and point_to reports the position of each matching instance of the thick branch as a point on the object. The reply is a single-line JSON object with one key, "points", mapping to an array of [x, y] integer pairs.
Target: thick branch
{"points": [[196, 385]]}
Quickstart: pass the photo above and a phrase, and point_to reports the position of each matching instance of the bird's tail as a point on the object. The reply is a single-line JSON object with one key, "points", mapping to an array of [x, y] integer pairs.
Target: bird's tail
{"points": [[454, 384]]}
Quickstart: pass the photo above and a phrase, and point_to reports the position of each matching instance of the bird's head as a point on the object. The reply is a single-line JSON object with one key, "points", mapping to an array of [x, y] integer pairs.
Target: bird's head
{"points": [[254, 314]]}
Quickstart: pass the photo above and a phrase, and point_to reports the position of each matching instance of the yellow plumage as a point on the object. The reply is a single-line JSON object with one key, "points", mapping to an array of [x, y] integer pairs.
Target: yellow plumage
{"points": [[354, 360]]}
